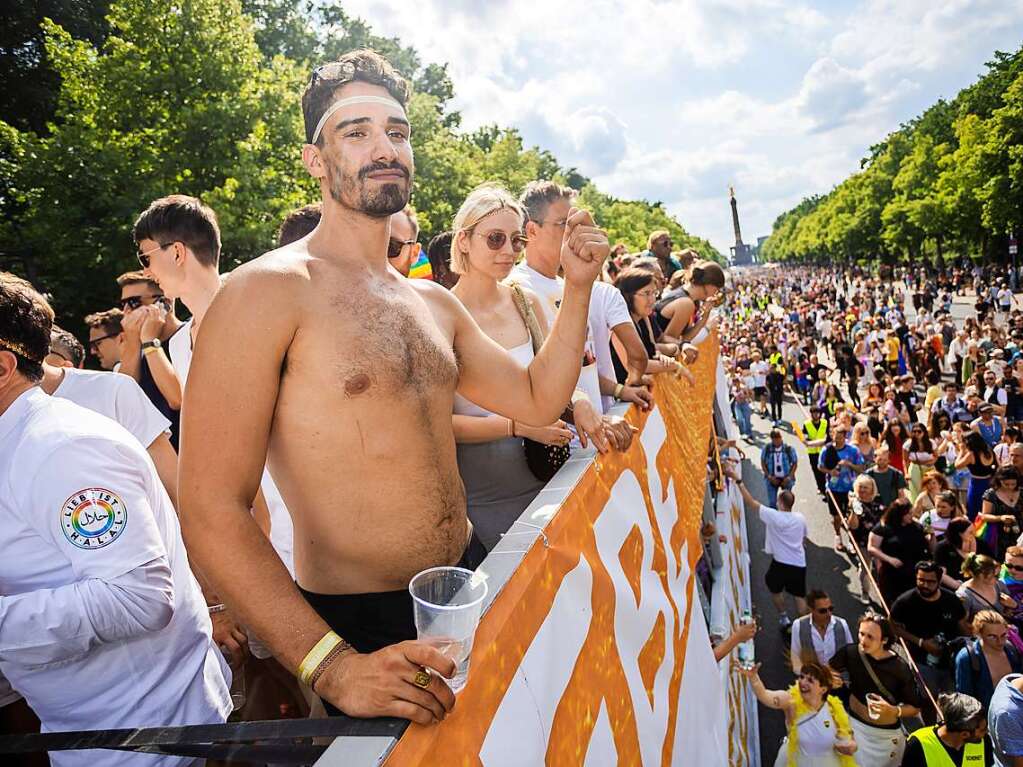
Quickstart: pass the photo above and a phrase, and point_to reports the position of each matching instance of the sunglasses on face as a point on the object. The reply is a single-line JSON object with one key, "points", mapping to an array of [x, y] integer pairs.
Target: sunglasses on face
{"points": [[496, 240], [134, 302], [144, 257], [1014, 568], [394, 247], [95, 342], [824, 610]]}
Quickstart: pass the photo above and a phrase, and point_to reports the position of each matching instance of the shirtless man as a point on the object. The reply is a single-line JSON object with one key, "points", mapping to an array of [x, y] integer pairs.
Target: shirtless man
{"points": [[323, 356]]}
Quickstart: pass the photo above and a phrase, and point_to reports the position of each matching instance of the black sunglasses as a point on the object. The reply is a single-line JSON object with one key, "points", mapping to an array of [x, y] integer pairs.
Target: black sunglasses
{"points": [[394, 246], [134, 302], [1017, 568], [144, 257], [823, 610], [94, 343]]}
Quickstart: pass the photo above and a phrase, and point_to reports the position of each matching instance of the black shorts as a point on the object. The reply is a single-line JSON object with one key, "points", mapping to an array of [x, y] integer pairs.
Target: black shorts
{"points": [[760, 391], [370, 622], [781, 577], [842, 500]]}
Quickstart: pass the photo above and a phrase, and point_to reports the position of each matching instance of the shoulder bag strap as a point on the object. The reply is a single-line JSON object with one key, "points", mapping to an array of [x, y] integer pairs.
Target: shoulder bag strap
{"points": [[885, 693], [528, 317]]}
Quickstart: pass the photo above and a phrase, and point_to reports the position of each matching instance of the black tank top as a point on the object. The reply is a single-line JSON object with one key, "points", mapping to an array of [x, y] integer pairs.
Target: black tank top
{"points": [[979, 470], [666, 299]]}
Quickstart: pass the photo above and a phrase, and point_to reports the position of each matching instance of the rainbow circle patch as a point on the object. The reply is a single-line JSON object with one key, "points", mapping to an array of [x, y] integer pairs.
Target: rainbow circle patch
{"points": [[93, 518]]}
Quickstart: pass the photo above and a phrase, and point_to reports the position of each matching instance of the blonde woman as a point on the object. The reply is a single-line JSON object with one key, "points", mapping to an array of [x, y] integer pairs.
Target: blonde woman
{"points": [[498, 483], [864, 442]]}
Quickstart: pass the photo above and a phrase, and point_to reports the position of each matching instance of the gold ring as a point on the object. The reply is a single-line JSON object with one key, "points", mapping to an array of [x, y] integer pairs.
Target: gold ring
{"points": [[422, 678]]}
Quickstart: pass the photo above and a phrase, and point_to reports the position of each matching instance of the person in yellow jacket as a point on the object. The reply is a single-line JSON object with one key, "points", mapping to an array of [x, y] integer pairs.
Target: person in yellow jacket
{"points": [[958, 740]]}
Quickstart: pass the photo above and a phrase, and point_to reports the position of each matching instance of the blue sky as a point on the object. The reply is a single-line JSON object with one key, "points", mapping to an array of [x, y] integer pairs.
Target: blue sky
{"points": [[676, 100]]}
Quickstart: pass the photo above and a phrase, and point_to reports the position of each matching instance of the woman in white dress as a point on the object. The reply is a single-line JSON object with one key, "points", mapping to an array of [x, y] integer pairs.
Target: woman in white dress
{"points": [[819, 733]]}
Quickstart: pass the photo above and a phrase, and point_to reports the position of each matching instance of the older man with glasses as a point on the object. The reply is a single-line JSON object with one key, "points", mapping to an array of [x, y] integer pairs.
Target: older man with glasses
{"points": [[659, 245]]}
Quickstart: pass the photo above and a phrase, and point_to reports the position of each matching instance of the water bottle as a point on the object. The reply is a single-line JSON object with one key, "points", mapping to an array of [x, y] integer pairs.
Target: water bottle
{"points": [[746, 649]]}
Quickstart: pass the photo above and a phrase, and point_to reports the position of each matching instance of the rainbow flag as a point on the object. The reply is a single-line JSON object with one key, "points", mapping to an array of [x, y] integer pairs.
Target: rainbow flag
{"points": [[421, 269], [986, 531]]}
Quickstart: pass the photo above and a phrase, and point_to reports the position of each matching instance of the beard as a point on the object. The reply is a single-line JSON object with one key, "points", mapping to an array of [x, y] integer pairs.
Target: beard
{"points": [[352, 191]]}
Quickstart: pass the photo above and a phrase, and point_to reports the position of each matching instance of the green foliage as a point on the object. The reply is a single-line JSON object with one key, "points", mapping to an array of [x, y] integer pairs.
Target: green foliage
{"points": [[949, 182], [201, 97]]}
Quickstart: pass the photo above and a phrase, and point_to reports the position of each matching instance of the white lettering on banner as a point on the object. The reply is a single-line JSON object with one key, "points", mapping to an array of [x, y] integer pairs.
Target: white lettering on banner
{"points": [[542, 678]]}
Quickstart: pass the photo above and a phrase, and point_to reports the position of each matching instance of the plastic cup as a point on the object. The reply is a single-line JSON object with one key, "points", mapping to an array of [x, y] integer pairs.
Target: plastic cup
{"points": [[873, 705], [447, 602]]}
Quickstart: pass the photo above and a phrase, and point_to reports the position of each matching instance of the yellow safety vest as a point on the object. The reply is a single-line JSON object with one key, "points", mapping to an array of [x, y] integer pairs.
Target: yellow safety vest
{"points": [[815, 433], [937, 756]]}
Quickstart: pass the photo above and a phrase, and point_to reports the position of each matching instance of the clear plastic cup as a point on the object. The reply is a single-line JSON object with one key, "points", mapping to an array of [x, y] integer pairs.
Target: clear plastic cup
{"points": [[447, 602], [874, 702]]}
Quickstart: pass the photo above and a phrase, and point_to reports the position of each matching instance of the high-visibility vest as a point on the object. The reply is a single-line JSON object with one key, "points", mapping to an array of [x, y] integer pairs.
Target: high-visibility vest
{"points": [[936, 755], [815, 433]]}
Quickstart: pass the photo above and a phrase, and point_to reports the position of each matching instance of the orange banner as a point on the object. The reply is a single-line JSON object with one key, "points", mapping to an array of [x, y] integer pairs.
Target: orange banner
{"points": [[586, 645]]}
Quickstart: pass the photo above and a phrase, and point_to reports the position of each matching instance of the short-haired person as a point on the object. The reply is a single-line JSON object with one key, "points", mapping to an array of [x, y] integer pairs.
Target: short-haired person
{"points": [[66, 351], [102, 624], [147, 327], [313, 370], [546, 205], [438, 251], [959, 739], [106, 337], [882, 692], [816, 435], [986, 658], [299, 223], [403, 247], [778, 462], [819, 731], [929, 618], [841, 462], [785, 540], [816, 637]]}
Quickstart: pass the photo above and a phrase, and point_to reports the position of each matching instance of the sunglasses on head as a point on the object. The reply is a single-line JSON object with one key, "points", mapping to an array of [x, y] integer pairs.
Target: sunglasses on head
{"points": [[95, 342], [496, 240], [134, 302], [394, 247]]}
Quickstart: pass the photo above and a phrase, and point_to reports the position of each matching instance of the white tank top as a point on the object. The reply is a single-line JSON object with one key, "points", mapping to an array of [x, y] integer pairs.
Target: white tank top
{"points": [[817, 736], [523, 354]]}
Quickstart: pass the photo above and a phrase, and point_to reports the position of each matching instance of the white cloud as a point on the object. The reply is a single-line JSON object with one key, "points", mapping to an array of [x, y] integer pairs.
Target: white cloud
{"points": [[675, 100]]}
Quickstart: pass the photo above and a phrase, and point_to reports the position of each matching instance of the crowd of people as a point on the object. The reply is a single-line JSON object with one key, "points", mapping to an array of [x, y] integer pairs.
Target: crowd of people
{"points": [[184, 539], [909, 420]]}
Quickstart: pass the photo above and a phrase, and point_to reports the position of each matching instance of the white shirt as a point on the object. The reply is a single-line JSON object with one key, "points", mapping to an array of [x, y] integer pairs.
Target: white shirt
{"points": [[824, 647], [608, 310], [117, 397], [91, 543], [180, 347], [785, 531], [760, 369], [551, 290]]}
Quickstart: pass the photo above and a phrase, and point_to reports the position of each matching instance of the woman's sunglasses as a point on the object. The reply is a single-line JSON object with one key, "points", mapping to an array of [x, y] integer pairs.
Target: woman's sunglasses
{"points": [[394, 247], [496, 240]]}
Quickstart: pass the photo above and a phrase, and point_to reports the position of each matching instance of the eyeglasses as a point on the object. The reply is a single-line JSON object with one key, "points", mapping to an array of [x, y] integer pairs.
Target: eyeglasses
{"points": [[394, 247], [496, 240], [144, 257], [647, 293], [95, 342], [668, 243], [134, 302], [824, 610]]}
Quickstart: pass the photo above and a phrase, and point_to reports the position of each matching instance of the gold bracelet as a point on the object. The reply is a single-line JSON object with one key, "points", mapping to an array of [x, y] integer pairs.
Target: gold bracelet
{"points": [[150, 349], [619, 388], [316, 656]]}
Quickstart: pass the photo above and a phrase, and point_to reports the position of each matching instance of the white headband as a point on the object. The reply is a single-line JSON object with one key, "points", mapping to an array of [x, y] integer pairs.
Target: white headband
{"points": [[353, 100]]}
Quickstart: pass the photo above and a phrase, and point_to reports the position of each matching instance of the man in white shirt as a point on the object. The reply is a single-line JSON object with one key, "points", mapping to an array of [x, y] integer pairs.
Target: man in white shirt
{"points": [[818, 636], [759, 368], [102, 624], [785, 540]]}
